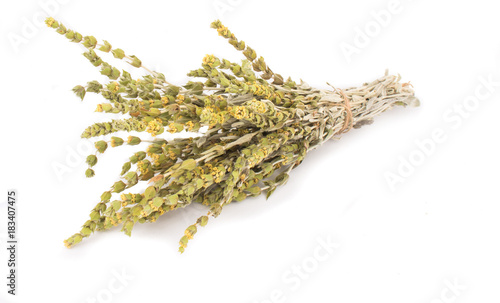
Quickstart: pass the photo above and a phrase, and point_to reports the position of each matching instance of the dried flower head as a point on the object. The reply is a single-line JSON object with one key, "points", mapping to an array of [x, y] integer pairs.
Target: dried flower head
{"points": [[260, 127]]}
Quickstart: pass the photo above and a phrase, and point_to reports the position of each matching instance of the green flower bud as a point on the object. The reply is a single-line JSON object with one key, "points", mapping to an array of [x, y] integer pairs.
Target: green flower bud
{"points": [[133, 140], [79, 91], [93, 57], [150, 192], [101, 206], [118, 53], [157, 202], [77, 37], [116, 205], [85, 231], [154, 149], [51, 22], [70, 34], [131, 177], [135, 61], [94, 86], [119, 186], [224, 81], [95, 216], [125, 168], [77, 238], [203, 220], [61, 29], [106, 70], [89, 173], [101, 146], [190, 231], [138, 157], [91, 160], [255, 190], [106, 196], [89, 41], [250, 54], [172, 200], [127, 227], [115, 73], [106, 107], [116, 141], [184, 241], [106, 47]]}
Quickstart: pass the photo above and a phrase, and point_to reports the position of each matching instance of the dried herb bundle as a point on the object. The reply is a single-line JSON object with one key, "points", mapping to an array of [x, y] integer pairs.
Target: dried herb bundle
{"points": [[255, 128]]}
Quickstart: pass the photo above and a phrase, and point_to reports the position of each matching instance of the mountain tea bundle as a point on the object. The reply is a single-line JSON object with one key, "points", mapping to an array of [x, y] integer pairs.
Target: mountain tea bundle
{"points": [[253, 128]]}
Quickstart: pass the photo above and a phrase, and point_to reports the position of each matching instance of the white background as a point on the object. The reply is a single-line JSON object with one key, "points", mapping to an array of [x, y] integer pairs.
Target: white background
{"points": [[431, 237]]}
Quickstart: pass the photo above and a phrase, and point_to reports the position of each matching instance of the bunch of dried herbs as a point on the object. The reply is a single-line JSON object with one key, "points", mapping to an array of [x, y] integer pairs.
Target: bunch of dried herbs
{"points": [[254, 127]]}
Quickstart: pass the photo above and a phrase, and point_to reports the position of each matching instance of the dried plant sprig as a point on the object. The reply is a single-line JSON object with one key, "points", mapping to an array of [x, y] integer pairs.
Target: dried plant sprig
{"points": [[254, 127]]}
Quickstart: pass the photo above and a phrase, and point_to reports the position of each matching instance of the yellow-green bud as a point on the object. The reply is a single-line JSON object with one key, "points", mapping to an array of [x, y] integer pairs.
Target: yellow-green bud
{"points": [[85, 231], [89, 41], [61, 29], [106, 107], [116, 141], [131, 177], [70, 34], [119, 186], [91, 160], [184, 241], [118, 53], [89, 173], [127, 227], [51, 22], [95, 216], [77, 37], [135, 61], [125, 168], [101, 146], [190, 231], [106, 196], [106, 47], [138, 156], [79, 91], [172, 200], [203, 220], [133, 140]]}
